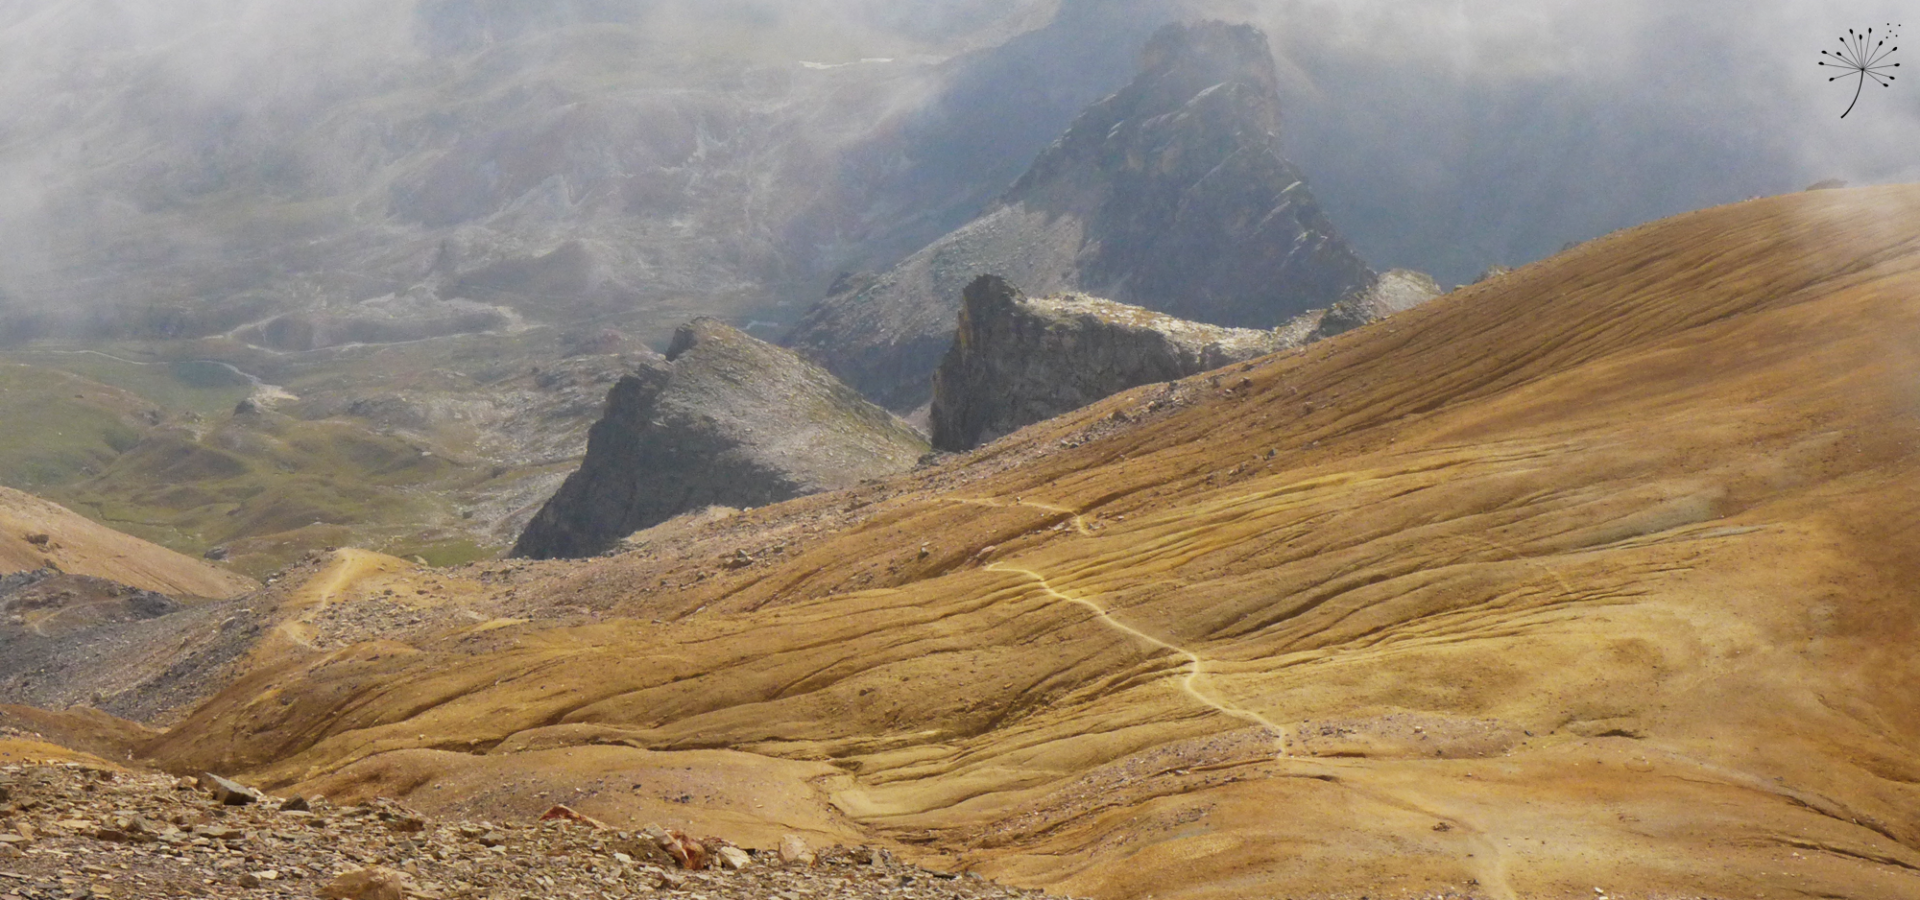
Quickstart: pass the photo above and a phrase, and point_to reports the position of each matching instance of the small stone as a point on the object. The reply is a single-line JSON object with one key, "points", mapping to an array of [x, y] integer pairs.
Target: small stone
{"points": [[296, 804], [687, 852], [377, 883], [567, 814], [669, 880], [406, 824], [734, 858], [794, 850]]}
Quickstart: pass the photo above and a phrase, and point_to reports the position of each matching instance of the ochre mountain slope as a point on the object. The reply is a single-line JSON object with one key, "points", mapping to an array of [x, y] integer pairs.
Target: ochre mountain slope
{"points": [[1600, 574], [35, 533]]}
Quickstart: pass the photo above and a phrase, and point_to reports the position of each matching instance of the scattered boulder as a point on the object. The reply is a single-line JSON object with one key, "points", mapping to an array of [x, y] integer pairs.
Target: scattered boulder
{"points": [[567, 814], [724, 419], [733, 857], [686, 852], [794, 851], [1017, 360], [229, 793], [1171, 194]]}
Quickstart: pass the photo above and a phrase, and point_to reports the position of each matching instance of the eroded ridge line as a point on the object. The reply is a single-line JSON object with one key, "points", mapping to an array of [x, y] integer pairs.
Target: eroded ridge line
{"points": [[1196, 665]]}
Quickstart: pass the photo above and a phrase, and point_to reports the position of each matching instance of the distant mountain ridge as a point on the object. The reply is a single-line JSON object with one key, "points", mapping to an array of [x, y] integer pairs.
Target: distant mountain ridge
{"points": [[1171, 194], [633, 154]]}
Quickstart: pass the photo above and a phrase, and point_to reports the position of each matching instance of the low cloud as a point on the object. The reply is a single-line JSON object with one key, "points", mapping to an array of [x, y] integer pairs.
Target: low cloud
{"points": [[1444, 135]]}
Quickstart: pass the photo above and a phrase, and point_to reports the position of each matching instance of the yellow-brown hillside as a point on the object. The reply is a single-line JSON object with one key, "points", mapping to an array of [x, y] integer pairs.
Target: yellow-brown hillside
{"points": [[35, 533], [1601, 574]]}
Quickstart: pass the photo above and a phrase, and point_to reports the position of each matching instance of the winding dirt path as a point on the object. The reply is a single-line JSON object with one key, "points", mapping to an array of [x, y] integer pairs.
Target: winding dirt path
{"points": [[1196, 666], [350, 565], [1490, 853]]}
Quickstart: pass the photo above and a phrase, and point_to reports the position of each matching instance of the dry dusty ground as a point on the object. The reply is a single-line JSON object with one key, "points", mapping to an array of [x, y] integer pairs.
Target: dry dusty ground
{"points": [[1598, 575]]}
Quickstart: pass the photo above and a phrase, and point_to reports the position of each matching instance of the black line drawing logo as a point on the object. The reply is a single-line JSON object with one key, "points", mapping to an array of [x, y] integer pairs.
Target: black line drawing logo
{"points": [[1865, 58]]}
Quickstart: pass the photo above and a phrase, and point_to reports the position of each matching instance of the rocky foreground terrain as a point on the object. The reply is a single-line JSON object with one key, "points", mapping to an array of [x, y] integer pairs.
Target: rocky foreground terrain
{"points": [[75, 831]]}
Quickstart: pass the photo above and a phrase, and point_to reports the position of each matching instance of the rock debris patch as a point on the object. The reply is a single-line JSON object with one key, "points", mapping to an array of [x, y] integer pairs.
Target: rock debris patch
{"points": [[74, 832]]}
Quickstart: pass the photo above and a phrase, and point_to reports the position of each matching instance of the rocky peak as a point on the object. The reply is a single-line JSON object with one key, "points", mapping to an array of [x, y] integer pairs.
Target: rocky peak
{"points": [[1016, 361], [1171, 194], [1189, 58], [1181, 65], [722, 420]]}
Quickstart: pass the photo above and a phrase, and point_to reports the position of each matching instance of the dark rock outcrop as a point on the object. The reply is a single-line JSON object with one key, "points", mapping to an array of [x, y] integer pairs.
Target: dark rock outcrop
{"points": [[1171, 194], [1016, 361], [724, 419]]}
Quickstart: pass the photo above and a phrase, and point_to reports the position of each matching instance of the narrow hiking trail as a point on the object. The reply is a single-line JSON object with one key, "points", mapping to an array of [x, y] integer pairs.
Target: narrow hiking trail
{"points": [[1492, 858], [1196, 666], [349, 566]]}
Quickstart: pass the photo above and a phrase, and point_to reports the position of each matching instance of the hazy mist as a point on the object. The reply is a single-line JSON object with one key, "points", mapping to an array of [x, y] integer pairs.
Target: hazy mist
{"points": [[256, 155]]}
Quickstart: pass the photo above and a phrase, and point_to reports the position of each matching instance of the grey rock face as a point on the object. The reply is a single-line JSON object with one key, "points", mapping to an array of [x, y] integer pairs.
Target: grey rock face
{"points": [[723, 419], [1171, 194], [1016, 361], [1396, 291]]}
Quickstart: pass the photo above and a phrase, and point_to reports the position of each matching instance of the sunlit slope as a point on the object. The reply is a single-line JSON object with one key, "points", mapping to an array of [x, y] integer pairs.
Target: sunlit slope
{"points": [[1600, 574], [35, 533]]}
